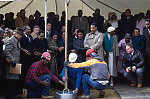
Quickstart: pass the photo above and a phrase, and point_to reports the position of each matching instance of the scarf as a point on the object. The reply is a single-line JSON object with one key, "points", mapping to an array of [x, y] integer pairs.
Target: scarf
{"points": [[108, 43]]}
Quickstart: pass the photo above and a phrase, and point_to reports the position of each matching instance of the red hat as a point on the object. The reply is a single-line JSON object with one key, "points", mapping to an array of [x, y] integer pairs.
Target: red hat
{"points": [[47, 56], [89, 51]]}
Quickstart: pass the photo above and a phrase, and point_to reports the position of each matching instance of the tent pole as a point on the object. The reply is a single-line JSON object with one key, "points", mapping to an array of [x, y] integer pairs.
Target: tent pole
{"points": [[28, 4], [87, 5], [6, 4], [66, 38], [56, 7], [45, 18]]}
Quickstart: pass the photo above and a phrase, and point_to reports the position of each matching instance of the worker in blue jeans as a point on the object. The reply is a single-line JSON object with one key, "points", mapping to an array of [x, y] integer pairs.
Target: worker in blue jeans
{"points": [[99, 73], [86, 81], [74, 75]]}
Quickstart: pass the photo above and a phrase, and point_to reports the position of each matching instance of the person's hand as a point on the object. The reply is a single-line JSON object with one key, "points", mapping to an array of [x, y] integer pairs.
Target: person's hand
{"points": [[61, 82], [40, 53], [8, 60], [127, 69], [61, 48], [45, 83], [50, 51], [66, 64], [65, 79], [13, 64], [27, 52], [133, 68], [76, 90], [36, 53], [73, 50]]}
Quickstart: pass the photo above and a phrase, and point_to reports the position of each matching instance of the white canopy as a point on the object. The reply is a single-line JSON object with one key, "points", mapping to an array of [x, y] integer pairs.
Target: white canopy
{"points": [[87, 6]]}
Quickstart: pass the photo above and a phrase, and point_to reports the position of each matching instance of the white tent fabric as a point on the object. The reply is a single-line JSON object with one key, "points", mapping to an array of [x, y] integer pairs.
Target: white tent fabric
{"points": [[87, 6], [107, 6], [56, 6]]}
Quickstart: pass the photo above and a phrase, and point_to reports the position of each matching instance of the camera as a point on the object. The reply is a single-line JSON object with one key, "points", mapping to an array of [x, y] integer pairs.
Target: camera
{"points": [[130, 69]]}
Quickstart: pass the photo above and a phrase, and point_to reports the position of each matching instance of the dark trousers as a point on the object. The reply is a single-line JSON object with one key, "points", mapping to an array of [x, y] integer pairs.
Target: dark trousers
{"points": [[11, 88], [36, 90], [134, 76], [148, 64]]}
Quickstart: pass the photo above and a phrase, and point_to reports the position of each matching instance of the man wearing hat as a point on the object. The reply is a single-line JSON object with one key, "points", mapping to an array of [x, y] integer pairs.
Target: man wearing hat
{"points": [[99, 73], [111, 47], [37, 21], [12, 52], [38, 78], [74, 75]]}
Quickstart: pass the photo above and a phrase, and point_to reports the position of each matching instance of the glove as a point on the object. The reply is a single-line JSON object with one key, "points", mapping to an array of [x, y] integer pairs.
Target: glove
{"points": [[66, 64], [13, 64]]}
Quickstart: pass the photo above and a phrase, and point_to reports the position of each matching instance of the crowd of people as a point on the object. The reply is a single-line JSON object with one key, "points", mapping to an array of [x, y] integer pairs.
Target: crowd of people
{"points": [[123, 44]]}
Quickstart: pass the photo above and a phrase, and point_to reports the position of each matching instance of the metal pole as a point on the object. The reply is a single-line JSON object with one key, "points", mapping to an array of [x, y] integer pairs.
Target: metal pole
{"points": [[45, 18], [66, 38], [56, 7]]}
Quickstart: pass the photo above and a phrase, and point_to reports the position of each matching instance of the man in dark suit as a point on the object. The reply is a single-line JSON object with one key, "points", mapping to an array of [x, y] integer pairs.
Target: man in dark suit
{"points": [[37, 21], [27, 46], [146, 38], [50, 30], [99, 20], [80, 22], [128, 22], [61, 55]]}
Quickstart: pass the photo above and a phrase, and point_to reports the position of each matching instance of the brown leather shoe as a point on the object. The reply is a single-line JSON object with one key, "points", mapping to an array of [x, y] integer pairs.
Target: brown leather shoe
{"points": [[133, 84], [48, 97], [139, 85]]}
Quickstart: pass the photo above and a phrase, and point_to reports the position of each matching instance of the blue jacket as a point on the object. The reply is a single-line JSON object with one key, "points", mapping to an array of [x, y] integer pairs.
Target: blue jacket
{"points": [[138, 43], [73, 73]]}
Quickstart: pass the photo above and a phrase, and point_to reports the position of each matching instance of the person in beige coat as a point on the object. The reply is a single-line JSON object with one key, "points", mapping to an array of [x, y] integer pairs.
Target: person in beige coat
{"points": [[22, 20], [35, 32], [80, 22], [94, 40]]}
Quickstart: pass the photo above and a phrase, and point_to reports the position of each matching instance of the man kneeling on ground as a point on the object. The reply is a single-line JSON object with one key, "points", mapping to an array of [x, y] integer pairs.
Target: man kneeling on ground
{"points": [[38, 77], [74, 75], [133, 63], [99, 73]]}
